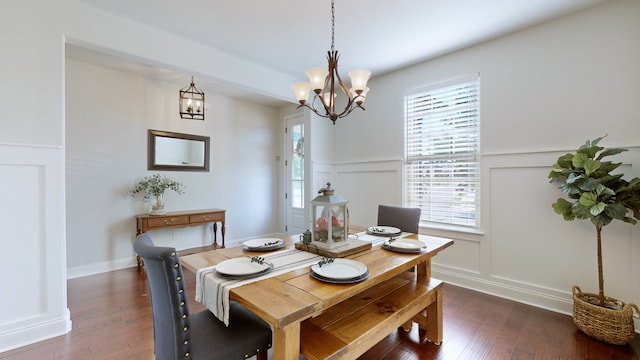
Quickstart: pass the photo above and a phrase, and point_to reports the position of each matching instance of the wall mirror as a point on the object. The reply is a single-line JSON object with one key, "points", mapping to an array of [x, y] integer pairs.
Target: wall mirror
{"points": [[177, 152]]}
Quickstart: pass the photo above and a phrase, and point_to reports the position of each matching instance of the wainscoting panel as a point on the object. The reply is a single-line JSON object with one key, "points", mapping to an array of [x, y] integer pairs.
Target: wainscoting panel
{"points": [[33, 244], [368, 184], [523, 251], [530, 254]]}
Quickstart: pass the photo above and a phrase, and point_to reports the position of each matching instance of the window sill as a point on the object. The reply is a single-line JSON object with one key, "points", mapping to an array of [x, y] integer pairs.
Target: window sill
{"points": [[452, 231]]}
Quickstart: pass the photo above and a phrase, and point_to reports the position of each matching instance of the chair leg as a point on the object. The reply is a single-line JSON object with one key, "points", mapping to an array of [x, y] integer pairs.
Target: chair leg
{"points": [[262, 355]]}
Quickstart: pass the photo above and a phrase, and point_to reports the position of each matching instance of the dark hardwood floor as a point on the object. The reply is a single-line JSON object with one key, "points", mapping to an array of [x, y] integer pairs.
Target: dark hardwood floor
{"points": [[112, 320]]}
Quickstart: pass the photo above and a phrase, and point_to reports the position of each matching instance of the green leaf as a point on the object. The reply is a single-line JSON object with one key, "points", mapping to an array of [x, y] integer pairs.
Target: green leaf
{"points": [[581, 212], [600, 220], [603, 190], [564, 162], [556, 177], [572, 178], [589, 184], [596, 209], [588, 199], [578, 160], [609, 152], [590, 166], [616, 211], [563, 207]]}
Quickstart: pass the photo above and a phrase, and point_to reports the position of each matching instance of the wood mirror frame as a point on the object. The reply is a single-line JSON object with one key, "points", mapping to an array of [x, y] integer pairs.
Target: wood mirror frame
{"points": [[172, 151]]}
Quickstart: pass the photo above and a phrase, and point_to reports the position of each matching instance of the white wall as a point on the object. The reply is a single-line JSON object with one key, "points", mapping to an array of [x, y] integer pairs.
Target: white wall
{"points": [[106, 153], [544, 91], [34, 301]]}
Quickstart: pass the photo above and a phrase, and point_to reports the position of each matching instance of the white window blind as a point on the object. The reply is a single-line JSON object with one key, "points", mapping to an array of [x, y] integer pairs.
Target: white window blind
{"points": [[442, 170]]}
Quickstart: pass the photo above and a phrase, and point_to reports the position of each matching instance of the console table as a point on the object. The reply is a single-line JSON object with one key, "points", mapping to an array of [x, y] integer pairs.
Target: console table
{"points": [[146, 222]]}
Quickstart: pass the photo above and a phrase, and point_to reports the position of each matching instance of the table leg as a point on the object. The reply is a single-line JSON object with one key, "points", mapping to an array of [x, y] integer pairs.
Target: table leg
{"points": [[138, 258], [431, 327], [215, 235], [424, 269], [223, 230], [286, 342]]}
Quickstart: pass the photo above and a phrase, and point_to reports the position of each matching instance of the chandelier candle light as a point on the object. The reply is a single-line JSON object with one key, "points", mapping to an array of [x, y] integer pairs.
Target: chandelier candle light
{"points": [[325, 83]]}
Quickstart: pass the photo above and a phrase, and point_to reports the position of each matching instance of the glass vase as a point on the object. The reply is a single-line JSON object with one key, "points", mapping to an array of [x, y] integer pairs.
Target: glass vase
{"points": [[157, 207]]}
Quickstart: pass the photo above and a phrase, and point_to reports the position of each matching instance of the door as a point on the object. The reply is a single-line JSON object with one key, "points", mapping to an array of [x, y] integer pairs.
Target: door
{"points": [[295, 197]]}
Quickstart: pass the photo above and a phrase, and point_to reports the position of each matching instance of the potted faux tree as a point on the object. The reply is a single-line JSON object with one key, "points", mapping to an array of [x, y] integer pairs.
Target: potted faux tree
{"points": [[595, 194], [153, 188]]}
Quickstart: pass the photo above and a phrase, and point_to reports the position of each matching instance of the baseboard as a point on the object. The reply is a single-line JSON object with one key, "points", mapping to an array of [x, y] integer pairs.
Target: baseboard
{"points": [[35, 332], [98, 268], [547, 299], [538, 297], [106, 266]]}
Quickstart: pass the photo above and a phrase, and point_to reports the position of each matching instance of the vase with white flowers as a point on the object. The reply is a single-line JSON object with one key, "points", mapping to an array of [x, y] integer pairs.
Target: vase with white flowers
{"points": [[152, 188]]}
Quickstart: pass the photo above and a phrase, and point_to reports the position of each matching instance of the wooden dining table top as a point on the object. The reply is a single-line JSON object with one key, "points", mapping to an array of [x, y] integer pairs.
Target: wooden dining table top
{"points": [[285, 300]]}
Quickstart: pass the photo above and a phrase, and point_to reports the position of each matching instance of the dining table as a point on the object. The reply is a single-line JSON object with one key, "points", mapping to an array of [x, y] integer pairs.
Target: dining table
{"points": [[327, 320]]}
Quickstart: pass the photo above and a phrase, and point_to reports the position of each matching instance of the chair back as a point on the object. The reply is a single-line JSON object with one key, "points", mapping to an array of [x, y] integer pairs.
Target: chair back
{"points": [[405, 219], [168, 294]]}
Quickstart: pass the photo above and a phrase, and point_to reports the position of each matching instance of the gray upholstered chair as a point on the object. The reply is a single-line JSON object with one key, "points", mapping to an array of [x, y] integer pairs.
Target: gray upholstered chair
{"points": [[179, 334], [405, 219]]}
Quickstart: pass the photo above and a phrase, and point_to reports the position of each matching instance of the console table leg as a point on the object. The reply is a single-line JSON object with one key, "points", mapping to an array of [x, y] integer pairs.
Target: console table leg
{"points": [[215, 235], [223, 230]]}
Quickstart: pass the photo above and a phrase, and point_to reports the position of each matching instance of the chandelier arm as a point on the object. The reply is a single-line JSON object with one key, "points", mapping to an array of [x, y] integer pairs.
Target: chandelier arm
{"points": [[318, 97], [345, 90], [328, 82]]}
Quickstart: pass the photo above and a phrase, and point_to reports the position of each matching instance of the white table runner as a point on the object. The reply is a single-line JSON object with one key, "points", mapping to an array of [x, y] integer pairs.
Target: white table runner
{"points": [[212, 290]]}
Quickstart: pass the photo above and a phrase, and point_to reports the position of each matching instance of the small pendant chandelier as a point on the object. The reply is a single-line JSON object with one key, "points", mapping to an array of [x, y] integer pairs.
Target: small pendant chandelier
{"points": [[325, 84], [192, 102]]}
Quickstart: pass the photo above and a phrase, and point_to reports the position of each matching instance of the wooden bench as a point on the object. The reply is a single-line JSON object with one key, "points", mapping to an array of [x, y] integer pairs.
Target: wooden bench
{"points": [[355, 325]]}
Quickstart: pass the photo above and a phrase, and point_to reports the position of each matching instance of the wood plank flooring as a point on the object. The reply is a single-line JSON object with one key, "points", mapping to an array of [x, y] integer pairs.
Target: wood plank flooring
{"points": [[111, 318]]}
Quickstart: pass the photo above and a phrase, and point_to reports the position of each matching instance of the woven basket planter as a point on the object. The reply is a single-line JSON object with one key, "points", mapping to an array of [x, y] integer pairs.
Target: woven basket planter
{"points": [[608, 325]]}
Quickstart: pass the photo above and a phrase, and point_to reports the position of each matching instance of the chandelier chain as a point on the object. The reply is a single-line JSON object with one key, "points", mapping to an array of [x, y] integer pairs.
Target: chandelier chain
{"points": [[333, 25]]}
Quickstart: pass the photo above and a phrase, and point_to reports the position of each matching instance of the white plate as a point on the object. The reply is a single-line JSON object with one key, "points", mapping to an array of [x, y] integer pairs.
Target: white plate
{"points": [[241, 266], [383, 230], [340, 281], [263, 243], [406, 244], [340, 269]]}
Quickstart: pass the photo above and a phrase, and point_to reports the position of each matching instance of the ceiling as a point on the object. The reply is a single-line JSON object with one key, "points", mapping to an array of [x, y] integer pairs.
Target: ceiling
{"points": [[293, 35]]}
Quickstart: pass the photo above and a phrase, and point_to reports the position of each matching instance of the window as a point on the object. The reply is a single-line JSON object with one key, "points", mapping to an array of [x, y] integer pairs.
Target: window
{"points": [[442, 169], [297, 166]]}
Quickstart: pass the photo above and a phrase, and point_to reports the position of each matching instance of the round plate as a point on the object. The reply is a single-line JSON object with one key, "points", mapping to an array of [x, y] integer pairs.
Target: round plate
{"points": [[340, 281], [405, 246], [383, 230], [263, 244], [340, 269], [241, 266], [245, 276]]}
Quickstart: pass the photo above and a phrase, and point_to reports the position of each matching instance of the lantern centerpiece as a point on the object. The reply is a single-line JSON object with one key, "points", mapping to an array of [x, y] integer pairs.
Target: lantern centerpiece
{"points": [[331, 219]]}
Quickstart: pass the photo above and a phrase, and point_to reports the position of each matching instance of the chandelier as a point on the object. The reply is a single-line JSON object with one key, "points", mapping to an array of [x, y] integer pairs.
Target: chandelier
{"points": [[326, 84]]}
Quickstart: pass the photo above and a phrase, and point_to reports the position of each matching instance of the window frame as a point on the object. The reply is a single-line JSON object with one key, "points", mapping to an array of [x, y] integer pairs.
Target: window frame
{"points": [[437, 158]]}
